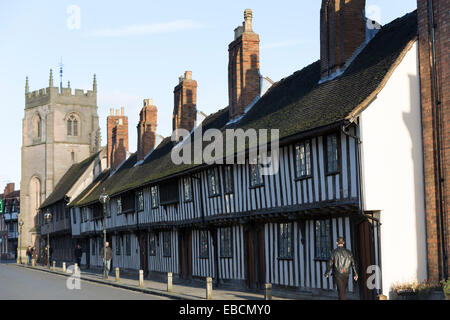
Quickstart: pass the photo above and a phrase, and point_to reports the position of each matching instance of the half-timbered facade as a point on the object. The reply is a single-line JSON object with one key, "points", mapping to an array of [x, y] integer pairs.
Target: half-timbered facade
{"points": [[242, 227]]}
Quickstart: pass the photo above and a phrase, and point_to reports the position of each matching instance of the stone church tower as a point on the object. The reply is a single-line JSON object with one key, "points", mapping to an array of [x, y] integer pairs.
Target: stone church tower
{"points": [[60, 128]]}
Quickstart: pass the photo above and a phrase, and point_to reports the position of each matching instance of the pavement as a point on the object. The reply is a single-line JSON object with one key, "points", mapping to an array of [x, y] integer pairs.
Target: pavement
{"points": [[19, 283], [180, 291]]}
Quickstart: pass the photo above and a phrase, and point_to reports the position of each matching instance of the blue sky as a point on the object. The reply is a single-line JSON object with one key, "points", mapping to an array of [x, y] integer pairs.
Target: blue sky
{"points": [[138, 49]]}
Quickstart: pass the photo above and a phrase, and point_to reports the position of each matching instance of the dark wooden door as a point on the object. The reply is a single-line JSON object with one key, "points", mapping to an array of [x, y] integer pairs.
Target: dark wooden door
{"points": [[185, 248], [367, 256], [254, 253], [143, 246]]}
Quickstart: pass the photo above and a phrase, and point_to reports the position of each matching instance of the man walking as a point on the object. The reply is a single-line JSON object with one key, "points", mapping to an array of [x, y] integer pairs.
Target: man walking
{"points": [[108, 257], [29, 254], [78, 255], [340, 261]]}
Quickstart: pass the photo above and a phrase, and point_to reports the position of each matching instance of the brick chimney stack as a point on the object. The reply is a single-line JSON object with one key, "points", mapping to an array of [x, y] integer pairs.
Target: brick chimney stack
{"points": [[342, 31], [185, 103], [9, 188], [433, 24], [146, 129], [243, 68], [117, 135]]}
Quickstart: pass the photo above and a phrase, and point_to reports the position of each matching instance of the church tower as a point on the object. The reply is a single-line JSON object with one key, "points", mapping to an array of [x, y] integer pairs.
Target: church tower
{"points": [[60, 128]]}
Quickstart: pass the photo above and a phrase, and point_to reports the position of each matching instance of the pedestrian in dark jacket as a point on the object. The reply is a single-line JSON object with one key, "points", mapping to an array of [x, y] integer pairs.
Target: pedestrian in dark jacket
{"points": [[78, 255], [341, 261], [108, 257], [29, 254]]}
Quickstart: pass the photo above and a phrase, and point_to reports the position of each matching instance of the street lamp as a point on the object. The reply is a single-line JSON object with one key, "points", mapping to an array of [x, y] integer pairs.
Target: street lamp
{"points": [[20, 240], [104, 198], [48, 218]]}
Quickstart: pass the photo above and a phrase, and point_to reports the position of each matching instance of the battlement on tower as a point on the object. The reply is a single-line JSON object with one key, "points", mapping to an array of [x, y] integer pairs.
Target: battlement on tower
{"points": [[53, 95]]}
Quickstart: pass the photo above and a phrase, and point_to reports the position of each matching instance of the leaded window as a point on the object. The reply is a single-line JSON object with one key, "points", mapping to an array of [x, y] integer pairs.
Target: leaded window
{"points": [[323, 239], [226, 246], [140, 200], [303, 159], [152, 244], [119, 205], [187, 184], [128, 244], [228, 179], [204, 250], [285, 241], [332, 154], [255, 175], [166, 244], [154, 196], [118, 245], [213, 182]]}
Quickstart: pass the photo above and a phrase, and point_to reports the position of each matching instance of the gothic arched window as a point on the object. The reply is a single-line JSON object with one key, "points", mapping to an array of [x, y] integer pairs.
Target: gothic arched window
{"points": [[72, 126], [37, 127]]}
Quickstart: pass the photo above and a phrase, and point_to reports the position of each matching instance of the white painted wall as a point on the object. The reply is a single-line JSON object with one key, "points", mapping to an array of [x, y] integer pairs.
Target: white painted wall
{"points": [[393, 173]]}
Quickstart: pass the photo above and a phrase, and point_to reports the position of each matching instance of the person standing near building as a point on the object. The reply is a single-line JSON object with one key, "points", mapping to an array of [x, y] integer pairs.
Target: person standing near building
{"points": [[108, 256], [341, 261], [78, 255], [29, 254]]}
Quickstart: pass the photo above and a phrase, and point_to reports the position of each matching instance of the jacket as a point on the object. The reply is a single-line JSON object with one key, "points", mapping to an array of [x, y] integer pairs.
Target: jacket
{"points": [[108, 253], [341, 260], [78, 253]]}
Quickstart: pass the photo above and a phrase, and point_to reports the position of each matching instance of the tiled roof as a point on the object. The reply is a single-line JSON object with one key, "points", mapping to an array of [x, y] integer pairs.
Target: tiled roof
{"points": [[68, 180]]}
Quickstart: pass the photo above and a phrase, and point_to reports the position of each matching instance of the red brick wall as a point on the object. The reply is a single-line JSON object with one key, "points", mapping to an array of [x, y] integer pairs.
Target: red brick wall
{"points": [[110, 124], [185, 103], [243, 72], [343, 30], [435, 246], [147, 129]]}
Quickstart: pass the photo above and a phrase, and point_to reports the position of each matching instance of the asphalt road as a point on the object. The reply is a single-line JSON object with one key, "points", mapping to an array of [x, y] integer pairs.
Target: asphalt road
{"points": [[18, 283]]}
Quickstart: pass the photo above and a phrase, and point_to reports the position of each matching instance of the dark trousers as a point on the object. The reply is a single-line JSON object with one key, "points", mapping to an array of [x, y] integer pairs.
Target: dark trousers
{"points": [[341, 283]]}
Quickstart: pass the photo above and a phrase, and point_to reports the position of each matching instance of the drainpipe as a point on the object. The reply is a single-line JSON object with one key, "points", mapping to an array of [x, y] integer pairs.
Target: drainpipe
{"points": [[437, 128]]}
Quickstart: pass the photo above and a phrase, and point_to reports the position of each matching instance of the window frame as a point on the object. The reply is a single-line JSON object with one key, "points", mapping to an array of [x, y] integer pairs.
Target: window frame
{"points": [[154, 197], [320, 257], [152, 247], [338, 155], [203, 239], [250, 171], [213, 172], [118, 245], [140, 205], [191, 195], [119, 206], [167, 236], [128, 244], [225, 179], [298, 175], [72, 126], [289, 241], [227, 254]]}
